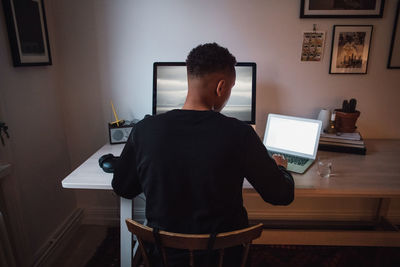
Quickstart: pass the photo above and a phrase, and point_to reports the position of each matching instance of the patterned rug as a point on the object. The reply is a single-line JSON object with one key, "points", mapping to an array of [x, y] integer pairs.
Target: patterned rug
{"points": [[107, 255]]}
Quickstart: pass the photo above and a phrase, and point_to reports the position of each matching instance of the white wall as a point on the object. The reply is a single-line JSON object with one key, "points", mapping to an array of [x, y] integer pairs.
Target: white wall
{"points": [[134, 34], [84, 96], [37, 149], [79, 79]]}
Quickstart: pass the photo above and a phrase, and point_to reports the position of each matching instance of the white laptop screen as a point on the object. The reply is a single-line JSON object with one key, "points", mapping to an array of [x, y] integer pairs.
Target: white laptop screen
{"points": [[290, 134]]}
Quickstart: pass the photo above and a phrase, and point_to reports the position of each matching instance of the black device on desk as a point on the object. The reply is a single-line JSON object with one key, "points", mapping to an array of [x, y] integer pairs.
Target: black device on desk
{"points": [[107, 163], [119, 132]]}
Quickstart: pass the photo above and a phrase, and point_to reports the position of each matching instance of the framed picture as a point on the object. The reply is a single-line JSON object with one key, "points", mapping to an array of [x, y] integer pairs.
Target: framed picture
{"points": [[27, 32], [313, 46], [394, 54], [341, 8], [350, 49]]}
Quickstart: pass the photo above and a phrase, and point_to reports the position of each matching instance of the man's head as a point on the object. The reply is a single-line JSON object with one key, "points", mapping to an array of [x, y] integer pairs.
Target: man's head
{"points": [[211, 76]]}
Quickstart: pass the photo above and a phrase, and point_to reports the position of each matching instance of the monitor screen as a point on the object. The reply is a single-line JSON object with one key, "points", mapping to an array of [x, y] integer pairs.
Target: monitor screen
{"points": [[170, 88]]}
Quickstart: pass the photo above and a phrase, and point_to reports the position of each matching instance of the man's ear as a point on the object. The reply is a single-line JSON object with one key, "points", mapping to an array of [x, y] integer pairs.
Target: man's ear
{"points": [[220, 90]]}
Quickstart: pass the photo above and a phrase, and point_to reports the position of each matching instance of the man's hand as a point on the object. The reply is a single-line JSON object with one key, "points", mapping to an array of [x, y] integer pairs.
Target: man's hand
{"points": [[280, 160]]}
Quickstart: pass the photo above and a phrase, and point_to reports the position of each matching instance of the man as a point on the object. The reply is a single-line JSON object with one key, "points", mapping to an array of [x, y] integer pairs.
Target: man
{"points": [[190, 163]]}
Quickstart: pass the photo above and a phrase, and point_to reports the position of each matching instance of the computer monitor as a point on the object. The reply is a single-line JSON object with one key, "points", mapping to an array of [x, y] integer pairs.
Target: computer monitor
{"points": [[170, 89]]}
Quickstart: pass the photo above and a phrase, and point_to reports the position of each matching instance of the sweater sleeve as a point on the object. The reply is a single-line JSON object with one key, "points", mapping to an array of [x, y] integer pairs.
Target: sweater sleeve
{"points": [[274, 183], [125, 181]]}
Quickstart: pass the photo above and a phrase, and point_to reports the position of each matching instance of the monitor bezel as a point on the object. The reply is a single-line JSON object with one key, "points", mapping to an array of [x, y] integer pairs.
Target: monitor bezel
{"points": [[239, 64]]}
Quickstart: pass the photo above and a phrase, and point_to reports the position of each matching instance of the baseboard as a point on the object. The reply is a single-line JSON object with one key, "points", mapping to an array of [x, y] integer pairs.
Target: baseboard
{"points": [[321, 214], [101, 216], [394, 218], [311, 215], [53, 246], [109, 216]]}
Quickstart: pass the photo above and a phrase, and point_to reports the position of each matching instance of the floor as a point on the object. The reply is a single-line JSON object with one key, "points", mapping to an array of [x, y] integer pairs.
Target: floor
{"points": [[81, 246]]}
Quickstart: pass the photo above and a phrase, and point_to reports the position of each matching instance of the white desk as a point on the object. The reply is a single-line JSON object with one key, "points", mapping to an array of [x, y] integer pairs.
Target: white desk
{"points": [[90, 176]]}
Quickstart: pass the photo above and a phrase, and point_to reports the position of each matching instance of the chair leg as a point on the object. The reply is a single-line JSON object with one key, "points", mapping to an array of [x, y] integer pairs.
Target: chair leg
{"points": [[191, 264], [164, 257], [144, 253], [221, 257], [136, 259], [245, 254], [136, 254]]}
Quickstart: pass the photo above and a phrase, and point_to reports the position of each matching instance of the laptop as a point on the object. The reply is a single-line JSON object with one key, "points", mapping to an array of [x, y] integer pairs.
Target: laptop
{"points": [[293, 137]]}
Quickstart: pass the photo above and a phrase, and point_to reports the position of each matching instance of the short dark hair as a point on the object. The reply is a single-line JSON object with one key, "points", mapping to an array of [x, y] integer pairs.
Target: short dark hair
{"points": [[209, 58]]}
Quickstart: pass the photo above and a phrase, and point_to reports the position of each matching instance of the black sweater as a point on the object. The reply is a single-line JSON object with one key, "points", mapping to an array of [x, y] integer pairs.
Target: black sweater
{"points": [[191, 165]]}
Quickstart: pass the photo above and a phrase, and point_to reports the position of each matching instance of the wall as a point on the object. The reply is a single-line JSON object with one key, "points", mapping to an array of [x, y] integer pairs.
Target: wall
{"points": [[137, 33], [84, 96], [108, 48], [37, 149]]}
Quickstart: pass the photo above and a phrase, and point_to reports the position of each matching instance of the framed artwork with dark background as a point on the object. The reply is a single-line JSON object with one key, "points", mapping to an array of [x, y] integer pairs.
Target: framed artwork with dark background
{"points": [[342, 8], [394, 54], [27, 32], [350, 49]]}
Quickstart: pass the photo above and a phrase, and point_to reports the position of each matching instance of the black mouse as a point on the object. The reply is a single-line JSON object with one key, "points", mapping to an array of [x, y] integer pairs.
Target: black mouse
{"points": [[107, 162]]}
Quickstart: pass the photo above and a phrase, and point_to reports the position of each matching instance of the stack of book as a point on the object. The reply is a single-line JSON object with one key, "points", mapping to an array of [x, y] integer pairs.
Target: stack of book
{"points": [[344, 142]]}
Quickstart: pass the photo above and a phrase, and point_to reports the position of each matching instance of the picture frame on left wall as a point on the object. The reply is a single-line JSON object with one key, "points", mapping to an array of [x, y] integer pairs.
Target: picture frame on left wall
{"points": [[27, 32], [394, 54], [350, 49]]}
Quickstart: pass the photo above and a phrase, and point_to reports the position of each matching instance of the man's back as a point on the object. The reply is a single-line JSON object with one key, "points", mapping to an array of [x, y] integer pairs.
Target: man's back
{"points": [[191, 165]]}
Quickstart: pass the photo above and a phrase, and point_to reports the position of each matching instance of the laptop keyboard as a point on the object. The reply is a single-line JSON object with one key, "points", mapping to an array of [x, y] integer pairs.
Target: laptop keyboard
{"points": [[293, 159]]}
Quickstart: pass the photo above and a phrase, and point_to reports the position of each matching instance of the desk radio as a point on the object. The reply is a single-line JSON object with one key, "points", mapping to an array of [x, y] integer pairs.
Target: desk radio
{"points": [[119, 133]]}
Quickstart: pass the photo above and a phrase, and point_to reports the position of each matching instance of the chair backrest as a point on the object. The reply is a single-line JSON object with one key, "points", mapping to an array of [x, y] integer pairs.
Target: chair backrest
{"points": [[194, 242]]}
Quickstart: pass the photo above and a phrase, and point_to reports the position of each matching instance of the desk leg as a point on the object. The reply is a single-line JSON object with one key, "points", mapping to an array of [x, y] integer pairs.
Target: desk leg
{"points": [[126, 236], [383, 208], [381, 215]]}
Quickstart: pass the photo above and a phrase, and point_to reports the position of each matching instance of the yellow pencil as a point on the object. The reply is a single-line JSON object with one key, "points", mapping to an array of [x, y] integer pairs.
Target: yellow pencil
{"points": [[115, 114]]}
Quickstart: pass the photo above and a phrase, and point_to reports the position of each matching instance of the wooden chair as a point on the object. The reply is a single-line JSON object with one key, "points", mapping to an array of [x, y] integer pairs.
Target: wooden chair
{"points": [[194, 242]]}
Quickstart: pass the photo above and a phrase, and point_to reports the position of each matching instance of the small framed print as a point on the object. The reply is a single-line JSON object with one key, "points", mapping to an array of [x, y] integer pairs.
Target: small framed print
{"points": [[27, 32], [313, 46], [394, 54], [350, 49], [342, 8]]}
